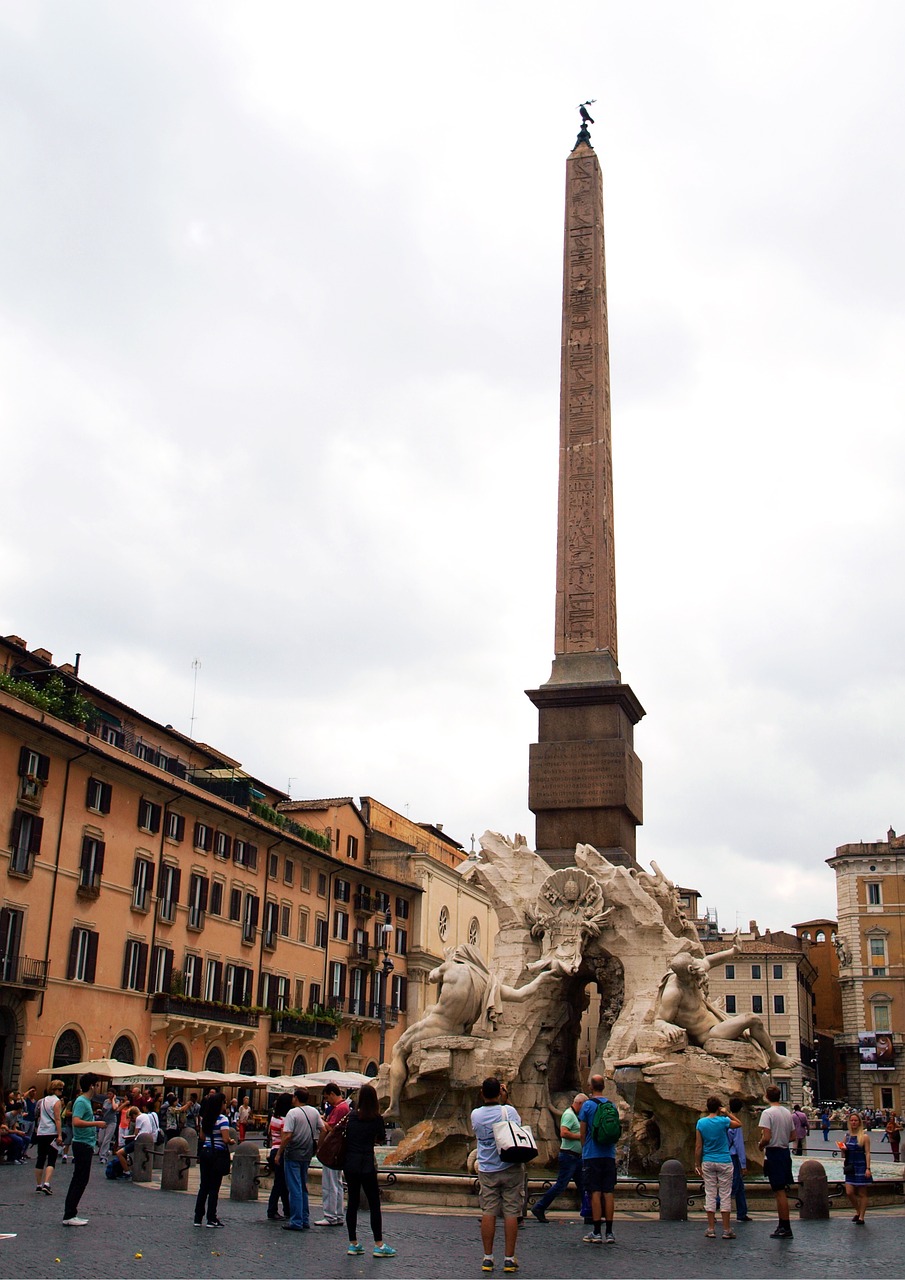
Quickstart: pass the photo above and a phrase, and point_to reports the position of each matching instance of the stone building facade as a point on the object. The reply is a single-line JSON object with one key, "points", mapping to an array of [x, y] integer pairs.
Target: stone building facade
{"points": [[870, 897], [820, 936]]}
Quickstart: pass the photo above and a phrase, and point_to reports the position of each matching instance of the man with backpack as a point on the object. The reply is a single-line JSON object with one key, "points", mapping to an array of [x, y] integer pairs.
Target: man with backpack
{"points": [[600, 1130]]}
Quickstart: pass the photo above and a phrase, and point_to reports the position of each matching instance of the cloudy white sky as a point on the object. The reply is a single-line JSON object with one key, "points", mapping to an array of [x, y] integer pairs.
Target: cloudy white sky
{"points": [[279, 329]]}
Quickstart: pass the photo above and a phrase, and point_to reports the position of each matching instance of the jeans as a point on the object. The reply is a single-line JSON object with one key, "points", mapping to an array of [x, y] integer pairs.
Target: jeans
{"points": [[296, 1174], [82, 1154], [569, 1171], [332, 1194], [279, 1192], [738, 1189]]}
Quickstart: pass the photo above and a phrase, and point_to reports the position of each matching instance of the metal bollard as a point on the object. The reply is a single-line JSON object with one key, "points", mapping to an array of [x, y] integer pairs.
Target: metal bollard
{"points": [[176, 1161], [673, 1192], [814, 1191], [143, 1158], [243, 1183]]}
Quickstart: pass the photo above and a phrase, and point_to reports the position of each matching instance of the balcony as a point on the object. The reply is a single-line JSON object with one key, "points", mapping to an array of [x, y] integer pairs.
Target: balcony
{"points": [[360, 1007], [364, 904], [294, 1026], [201, 1018], [361, 953], [23, 972]]}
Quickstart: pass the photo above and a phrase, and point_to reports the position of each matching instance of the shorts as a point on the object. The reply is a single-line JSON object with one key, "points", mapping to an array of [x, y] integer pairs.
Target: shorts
{"points": [[778, 1167], [502, 1191], [599, 1174], [717, 1185]]}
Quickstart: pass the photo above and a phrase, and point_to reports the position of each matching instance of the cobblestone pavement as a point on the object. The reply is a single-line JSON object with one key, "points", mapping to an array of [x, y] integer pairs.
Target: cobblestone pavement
{"points": [[126, 1220]]}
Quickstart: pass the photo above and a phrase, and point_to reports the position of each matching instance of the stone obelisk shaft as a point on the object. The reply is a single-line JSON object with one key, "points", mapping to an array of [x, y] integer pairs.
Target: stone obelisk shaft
{"points": [[584, 782]]}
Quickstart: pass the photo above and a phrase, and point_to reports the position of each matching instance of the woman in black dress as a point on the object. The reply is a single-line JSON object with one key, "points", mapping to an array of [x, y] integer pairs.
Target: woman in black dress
{"points": [[364, 1131]]}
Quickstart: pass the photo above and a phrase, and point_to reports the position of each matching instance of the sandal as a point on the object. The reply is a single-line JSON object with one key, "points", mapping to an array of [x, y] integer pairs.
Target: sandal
{"points": [[710, 1235]]}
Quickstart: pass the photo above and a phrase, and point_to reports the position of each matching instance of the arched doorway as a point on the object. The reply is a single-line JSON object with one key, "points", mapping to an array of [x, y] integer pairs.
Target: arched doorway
{"points": [[214, 1060], [371, 1069], [249, 1064], [123, 1050], [300, 1066], [68, 1049], [9, 1030], [177, 1057], [151, 1060], [331, 1065]]}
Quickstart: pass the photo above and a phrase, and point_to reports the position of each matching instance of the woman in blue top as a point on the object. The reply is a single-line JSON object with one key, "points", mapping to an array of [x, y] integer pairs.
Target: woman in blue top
{"points": [[714, 1163], [213, 1158], [857, 1166]]}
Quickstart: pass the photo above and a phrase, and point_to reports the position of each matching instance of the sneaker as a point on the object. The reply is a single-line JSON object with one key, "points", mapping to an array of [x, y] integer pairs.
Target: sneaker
{"points": [[75, 1222], [327, 1222], [45, 1187], [781, 1233], [385, 1251], [487, 1264], [538, 1213], [510, 1264], [609, 1238], [39, 1187], [729, 1235], [198, 1223], [592, 1238], [66, 1161], [216, 1223], [355, 1249]]}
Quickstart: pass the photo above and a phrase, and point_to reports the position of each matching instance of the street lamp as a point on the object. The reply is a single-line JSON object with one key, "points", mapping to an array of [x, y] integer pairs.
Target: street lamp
{"points": [[387, 967]]}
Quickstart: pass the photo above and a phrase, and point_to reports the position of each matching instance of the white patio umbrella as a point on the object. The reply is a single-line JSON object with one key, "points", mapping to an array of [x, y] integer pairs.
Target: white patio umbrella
{"points": [[110, 1069]]}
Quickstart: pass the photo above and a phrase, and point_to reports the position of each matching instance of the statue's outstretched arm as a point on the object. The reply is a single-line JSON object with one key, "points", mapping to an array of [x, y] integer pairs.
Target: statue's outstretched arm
{"points": [[518, 994]]}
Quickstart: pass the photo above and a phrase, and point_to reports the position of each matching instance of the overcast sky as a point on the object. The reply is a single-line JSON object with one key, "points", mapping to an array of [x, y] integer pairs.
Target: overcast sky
{"points": [[280, 290]]}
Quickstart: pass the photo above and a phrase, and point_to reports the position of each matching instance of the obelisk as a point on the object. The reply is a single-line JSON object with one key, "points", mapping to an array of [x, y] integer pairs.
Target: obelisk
{"points": [[584, 778]]}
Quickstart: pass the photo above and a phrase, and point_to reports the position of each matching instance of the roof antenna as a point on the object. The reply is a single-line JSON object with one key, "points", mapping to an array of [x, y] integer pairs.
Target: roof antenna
{"points": [[196, 667]]}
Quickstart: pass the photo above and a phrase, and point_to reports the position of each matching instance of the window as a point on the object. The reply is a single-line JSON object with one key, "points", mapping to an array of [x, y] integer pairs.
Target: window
{"points": [[11, 923], [757, 1004], [881, 1017], [877, 957], [142, 884], [820, 935], [341, 925], [337, 984], [168, 891], [213, 981], [191, 976], [474, 932], [161, 969], [777, 972], [443, 922], [224, 846], [314, 995], [320, 932], [91, 864], [730, 1004], [381, 901], [237, 984], [107, 733], [274, 991], [203, 837], [175, 826], [82, 955], [270, 924], [779, 1004], [352, 848], [785, 1090], [198, 893], [235, 904], [402, 908], [303, 925], [135, 965], [245, 854], [321, 885], [250, 917], [34, 769], [299, 993], [288, 871], [149, 816], [273, 866], [781, 1047], [306, 879], [399, 997], [360, 944], [401, 941], [730, 972], [25, 840], [98, 796], [874, 894], [755, 973], [342, 891], [285, 920], [146, 752]]}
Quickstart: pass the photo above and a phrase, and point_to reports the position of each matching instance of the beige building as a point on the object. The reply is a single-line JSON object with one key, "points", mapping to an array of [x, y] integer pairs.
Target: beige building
{"points": [[870, 896]]}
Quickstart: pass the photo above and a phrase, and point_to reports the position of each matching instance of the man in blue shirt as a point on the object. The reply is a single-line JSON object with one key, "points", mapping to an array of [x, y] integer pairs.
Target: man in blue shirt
{"points": [[739, 1161], [598, 1168], [501, 1186]]}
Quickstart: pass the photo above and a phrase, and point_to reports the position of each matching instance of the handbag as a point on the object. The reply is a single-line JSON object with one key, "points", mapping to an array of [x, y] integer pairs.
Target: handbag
{"points": [[331, 1148], [514, 1142]]}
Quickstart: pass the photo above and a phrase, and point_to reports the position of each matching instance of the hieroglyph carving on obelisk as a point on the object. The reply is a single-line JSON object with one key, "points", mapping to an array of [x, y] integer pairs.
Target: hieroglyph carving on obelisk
{"points": [[586, 562]]}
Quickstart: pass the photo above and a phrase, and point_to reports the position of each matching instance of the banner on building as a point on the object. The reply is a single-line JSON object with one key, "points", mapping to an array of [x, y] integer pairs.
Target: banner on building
{"points": [[875, 1051]]}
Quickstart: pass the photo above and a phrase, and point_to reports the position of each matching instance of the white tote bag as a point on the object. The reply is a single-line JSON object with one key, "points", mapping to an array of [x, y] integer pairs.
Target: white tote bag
{"points": [[514, 1142]]}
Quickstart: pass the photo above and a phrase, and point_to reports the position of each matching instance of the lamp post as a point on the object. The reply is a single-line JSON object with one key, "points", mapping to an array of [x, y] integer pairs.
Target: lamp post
{"points": [[387, 967]]}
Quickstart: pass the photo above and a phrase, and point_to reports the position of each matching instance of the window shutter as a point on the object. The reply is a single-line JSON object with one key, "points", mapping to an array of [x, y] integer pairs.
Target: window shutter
{"points": [[196, 980], [155, 818], [126, 954], [37, 826], [205, 887], [180, 826], [16, 828], [167, 969], [73, 953], [91, 958], [136, 872], [24, 753], [86, 849], [99, 863], [43, 768], [106, 797], [197, 836], [253, 917], [251, 857], [218, 979], [176, 882], [4, 931], [263, 984], [142, 965]]}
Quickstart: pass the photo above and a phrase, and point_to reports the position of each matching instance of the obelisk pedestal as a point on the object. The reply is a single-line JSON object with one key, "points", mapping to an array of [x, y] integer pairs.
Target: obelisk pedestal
{"points": [[584, 779]]}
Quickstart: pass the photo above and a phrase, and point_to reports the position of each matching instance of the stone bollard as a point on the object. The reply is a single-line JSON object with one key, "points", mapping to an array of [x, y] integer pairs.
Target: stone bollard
{"points": [[673, 1192], [143, 1158], [243, 1183], [190, 1136], [176, 1161], [813, 1191]]}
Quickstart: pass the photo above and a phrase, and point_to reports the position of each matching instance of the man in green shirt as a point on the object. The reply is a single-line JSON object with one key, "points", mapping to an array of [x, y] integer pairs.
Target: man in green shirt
{"points": [[84, 1141], [569, 1158]]}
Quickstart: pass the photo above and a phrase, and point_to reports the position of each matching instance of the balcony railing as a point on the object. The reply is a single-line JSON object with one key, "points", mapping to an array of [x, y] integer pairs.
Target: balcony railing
{"points": [[361, 1007], [302, 1027], [365, 903], [22, 971], [203, 1010]]}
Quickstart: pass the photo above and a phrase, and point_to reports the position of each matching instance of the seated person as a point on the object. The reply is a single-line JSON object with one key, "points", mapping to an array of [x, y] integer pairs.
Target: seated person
{"points": [[124, 1152]]}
